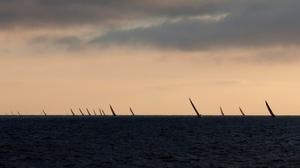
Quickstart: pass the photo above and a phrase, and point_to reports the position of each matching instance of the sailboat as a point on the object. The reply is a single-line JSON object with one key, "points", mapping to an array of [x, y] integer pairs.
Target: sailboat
{"points": [[88, 111], [222, 111], [72, 112], [45, 114], [81, 112], [100, 112], [242, 112], [269, 109], [131, 111], [195, 109], [112, 110], [94, 112]]}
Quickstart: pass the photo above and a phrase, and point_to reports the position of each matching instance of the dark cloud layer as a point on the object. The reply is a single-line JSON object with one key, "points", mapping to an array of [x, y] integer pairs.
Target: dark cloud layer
{"points": [[32, 13], [186, 23], [248, 24]]}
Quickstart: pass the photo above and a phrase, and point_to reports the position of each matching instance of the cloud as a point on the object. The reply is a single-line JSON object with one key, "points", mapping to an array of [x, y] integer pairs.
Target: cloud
{"points": [[257, 23], [41, 13], [186, 25]]}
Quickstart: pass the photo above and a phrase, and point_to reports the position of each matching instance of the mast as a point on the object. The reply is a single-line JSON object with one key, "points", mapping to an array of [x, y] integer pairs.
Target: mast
{"points": [[88, 111], [94, 112], [81, 112], [242, 112], [222, 111], [112, 110], [45, 114], [72, 112], [195, 109], [100, 112], [103, 112], [269, 109], [131, 111]]}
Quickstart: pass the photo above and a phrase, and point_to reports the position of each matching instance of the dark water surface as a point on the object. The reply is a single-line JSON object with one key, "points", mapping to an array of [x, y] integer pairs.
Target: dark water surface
{"points": [[150, 142]]}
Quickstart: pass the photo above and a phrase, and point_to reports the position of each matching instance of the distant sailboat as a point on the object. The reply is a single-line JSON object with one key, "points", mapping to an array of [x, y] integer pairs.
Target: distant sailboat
{"points": [[72, 112], [88, 111], [242, 112], [269, 109], [94, 112], [81, 112], [195, 109], [131, 111], [45, 114], [100, 112], [112, 110], [222, 111]]}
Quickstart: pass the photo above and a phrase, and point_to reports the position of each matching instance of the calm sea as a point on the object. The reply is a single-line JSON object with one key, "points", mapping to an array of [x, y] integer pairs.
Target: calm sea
{"points": [[150, 142]]}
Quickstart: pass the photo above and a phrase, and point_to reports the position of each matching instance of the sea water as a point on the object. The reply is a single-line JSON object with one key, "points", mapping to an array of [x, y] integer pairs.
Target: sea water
{"points": [[149, 142]]}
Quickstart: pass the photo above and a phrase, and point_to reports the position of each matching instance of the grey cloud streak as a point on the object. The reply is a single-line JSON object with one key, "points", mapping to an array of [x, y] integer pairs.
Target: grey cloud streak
{"points": [[32, 13], [249, 24]]}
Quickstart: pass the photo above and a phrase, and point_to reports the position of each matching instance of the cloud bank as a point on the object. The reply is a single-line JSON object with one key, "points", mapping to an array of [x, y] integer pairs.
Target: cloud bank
{"points": [[171, 24]]}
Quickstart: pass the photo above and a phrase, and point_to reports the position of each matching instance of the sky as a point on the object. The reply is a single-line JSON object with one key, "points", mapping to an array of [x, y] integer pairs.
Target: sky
{"points": [[150, 55]]}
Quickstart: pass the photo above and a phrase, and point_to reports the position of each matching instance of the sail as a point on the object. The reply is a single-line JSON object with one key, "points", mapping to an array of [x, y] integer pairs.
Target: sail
{"points": [[72, 112], [222, 111], [112, 110], [269, 109], [195, 109], [88, 111], [45, 114], [242, 112], [100, 112], [132, 111], [81, 112]]}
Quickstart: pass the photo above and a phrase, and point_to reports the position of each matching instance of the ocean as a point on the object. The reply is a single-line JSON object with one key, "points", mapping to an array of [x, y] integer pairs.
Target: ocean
{"points": [[149, 142]]}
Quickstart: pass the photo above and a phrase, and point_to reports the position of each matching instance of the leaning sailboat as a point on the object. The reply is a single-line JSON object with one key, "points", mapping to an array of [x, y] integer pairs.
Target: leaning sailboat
{"points": [[195, 109], [222, 111], [81, 112], [100, 112], [132, 113], [45, 114], [88, 111], [242, 112], [72, 112], [269, 109], [94, 112], [112, 110], [103, 112]]}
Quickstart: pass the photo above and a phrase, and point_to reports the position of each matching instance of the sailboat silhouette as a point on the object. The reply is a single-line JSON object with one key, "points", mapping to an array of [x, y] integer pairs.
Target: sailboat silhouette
{"points": [[45, 114], [131, 111], [195, 109], [222, 111], [269, 109], [81, 112], [72, 112], [242, 112], [112, 110], [94, 112], [88, 111]]}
